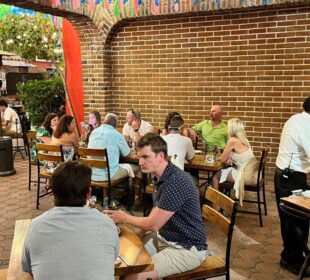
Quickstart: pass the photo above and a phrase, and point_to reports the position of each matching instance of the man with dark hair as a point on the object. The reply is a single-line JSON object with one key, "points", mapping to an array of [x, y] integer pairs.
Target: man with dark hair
{"points": [[292, 166], [179, 147], [10, 120], [176, 225], [71, 241]]}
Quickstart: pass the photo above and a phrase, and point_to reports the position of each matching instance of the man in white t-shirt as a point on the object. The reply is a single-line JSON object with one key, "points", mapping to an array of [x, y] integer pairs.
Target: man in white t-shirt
{"points": [[180, 147], [10, 120], [135, 127]]}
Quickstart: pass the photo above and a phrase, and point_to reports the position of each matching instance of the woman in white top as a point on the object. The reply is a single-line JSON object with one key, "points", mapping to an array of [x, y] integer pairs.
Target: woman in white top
{"points": [[238, 155]]}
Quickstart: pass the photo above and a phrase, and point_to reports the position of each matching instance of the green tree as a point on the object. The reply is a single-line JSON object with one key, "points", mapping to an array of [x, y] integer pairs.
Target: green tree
{"points": [[41, 97], [30, 37]]}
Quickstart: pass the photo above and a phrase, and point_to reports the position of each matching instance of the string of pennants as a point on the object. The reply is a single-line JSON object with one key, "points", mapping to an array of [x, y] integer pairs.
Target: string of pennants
{"points": [[118, 5]]}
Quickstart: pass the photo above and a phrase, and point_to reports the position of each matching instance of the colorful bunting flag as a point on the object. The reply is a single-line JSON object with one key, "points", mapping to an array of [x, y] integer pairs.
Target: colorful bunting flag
{"points": [[136, 6], [116, 9], [106, 4], [155, 7], [91, 4], [97, 2], [75, 4], [55, 3], [176, 5], [120, 5]]}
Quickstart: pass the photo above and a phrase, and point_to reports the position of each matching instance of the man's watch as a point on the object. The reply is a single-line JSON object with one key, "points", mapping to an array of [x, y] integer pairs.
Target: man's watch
{"points": [[136, 130]]}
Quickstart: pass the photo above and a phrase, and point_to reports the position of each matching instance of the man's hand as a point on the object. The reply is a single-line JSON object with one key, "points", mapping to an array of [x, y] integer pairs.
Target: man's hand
{"points": [[192, 134], [118, 216], [229, 162], [135, 124]]}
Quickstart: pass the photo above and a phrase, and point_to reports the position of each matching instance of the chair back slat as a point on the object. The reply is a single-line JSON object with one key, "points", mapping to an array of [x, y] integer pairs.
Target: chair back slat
{"points": [[47, 152], [93, 163], [31, 135], [215, 217], [220, 199], [49, 157], [84, 152], [48, 148], [94, 158]]}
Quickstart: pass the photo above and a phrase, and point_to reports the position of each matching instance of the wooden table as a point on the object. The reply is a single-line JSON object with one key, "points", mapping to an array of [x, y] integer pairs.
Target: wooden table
{"points": [[299, 203], [298, 207], [197, 163], [131, 249]]}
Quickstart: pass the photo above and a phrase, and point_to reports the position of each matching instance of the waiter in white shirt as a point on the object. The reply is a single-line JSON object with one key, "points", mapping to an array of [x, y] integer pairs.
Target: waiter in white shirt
{"points": [[10, 120], [293, 164]]}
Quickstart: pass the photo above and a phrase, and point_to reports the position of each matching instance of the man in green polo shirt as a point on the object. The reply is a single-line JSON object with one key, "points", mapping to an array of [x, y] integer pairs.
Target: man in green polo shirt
{"points": [[213, 131]]}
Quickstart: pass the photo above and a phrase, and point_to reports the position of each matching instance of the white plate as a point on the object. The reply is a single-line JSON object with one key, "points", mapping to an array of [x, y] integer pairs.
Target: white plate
{"points": [[306, 194]]}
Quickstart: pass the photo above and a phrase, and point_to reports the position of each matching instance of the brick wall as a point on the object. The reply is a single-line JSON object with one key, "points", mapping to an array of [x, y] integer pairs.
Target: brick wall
{"points": [[256, 64]]}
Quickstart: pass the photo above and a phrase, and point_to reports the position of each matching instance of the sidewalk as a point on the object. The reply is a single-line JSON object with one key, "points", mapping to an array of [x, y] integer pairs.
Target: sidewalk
{"points": [[255, 250]]}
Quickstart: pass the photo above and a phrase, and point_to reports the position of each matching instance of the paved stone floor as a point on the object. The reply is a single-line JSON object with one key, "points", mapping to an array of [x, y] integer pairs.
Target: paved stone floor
{"points": [[255, 250]]}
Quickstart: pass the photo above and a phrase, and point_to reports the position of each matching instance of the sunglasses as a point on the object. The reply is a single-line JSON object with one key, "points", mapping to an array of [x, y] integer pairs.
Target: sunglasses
{"points": [[133, 112]]}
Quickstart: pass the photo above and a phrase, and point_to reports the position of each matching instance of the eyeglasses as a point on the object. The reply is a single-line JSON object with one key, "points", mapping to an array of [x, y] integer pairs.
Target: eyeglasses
{"points": [[133, 112]]}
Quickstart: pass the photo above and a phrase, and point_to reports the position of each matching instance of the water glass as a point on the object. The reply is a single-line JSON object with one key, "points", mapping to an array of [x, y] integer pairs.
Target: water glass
{"points": [[92, 201]]}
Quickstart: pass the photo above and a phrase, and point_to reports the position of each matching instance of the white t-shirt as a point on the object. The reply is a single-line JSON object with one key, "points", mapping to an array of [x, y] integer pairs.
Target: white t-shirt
{"points": [[144, 128], [294, 149], [181, 146], [11, 116]]}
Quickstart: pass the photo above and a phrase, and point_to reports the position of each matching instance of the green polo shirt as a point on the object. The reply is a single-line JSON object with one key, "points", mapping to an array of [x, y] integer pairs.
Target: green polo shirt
{"points": [[213, 135]]}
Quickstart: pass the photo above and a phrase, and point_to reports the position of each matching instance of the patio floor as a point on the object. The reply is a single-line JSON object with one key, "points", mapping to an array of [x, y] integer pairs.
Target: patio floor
{"points": [[255, 250]]}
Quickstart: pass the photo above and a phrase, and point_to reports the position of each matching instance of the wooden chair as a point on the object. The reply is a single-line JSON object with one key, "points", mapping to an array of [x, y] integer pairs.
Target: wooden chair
{"points": [[98, 158], [46, 152], [30, 142], [214, 265], [257, 188], [156, 130], [148, 190]]}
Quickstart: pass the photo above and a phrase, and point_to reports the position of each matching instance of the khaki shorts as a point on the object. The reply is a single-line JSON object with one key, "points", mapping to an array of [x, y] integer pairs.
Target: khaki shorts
{"points": [[120, 173], [170, 258]]}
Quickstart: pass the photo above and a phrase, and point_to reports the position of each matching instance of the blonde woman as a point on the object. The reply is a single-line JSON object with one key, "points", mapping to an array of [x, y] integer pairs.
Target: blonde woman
{"points": [[238, 155]]}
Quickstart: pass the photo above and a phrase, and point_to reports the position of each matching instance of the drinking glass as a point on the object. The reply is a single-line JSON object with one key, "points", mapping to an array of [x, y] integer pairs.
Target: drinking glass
{"points": [[92, 201]]}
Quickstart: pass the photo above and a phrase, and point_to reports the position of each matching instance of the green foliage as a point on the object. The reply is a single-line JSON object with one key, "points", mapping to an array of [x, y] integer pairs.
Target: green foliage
{"points": [[30, 36], [41, 97]]}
